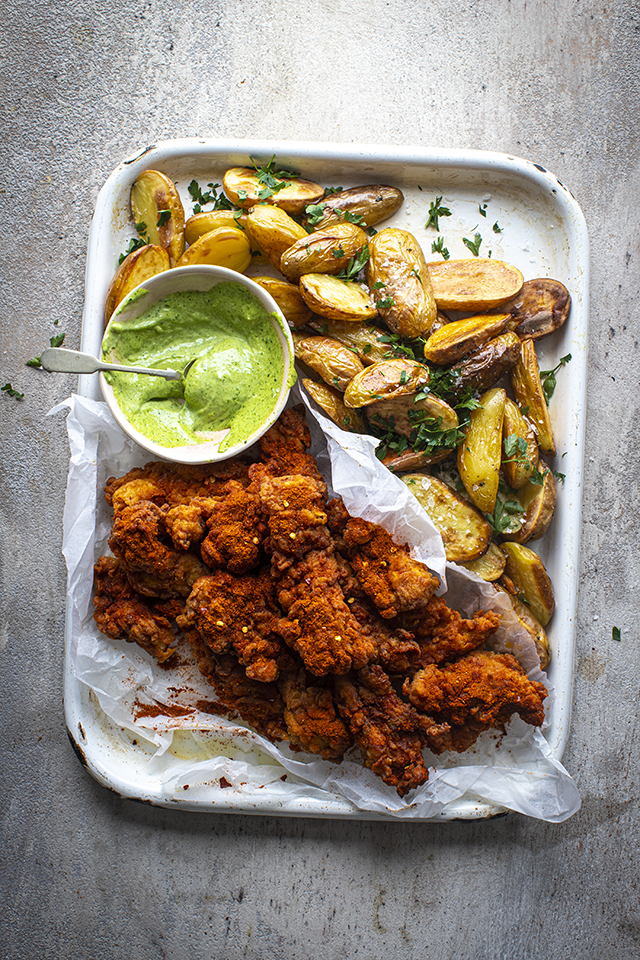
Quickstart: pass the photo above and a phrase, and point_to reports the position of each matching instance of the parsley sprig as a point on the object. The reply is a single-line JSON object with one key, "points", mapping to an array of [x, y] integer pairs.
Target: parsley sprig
{"points": [[436, 210], [355, 264], [272, 177], [473, 245], [202, 199], [548, 378], [438, 247]]}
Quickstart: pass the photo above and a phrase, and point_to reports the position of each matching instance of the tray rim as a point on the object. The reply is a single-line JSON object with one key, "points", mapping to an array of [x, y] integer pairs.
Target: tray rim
{"points": [[479, 161]]}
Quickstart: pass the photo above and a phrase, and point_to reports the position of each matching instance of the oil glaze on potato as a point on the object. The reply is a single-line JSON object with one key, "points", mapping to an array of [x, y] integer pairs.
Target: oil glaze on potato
{"points": [[336, 299], [223, 247], [201, 223], [480, 452], [368, 204], [519, 465], [244, 189], [527, 388], [459, 338], [273, 231], [156, 204], [465, 532], [526, 571], [398, 278], [404, 413], [529, 623], [486, 365], [490, 566], [325, 251], [541, 307], [368, 341], [538, 501], [137, 267], [332, 403], [336, 364], [473, 284], [287, 296], [380, 381]]}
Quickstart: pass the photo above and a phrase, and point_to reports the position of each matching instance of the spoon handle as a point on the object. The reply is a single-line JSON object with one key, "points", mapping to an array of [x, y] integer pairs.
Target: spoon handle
{"points": [[59, 360]]}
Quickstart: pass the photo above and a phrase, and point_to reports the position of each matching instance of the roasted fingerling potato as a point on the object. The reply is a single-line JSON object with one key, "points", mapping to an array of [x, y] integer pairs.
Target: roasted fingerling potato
{"points": [[465, 532], [366, 206], [384, 380], [287, 296], [480, 453], [527, 573], [398, 278], [245, 188], [137, 267], [332, 403], [537, 501], [223, 247], [520, 450], [370, 343], [485, 366], [461, 337], [336, 364], [324, 251], [527, 388], [158, 212], [541, 307], [273, 231], [336, 299], [473, 284]]}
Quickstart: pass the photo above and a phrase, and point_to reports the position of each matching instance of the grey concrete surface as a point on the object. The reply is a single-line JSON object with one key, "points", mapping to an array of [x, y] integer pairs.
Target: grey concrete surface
{"points": [[85, 875]]}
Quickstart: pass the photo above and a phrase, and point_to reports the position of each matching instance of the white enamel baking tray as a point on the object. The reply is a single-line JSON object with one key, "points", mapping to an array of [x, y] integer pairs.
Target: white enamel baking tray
{"points": [[543, 234]]}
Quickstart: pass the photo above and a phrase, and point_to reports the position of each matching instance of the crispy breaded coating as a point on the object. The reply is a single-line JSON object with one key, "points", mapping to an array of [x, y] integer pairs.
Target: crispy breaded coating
{"points": [[294, 507], [283, 448], [239, 614], [391, 578], [121, 613], [313, 723], [384, 727], [236, 530], [443, 634], [186, 523], [180, 482], [483, 688], [152, 568]]}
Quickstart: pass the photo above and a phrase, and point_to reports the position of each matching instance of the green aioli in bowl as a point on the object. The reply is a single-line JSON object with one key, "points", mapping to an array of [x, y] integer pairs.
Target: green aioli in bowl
{"points": [[233, 385]]}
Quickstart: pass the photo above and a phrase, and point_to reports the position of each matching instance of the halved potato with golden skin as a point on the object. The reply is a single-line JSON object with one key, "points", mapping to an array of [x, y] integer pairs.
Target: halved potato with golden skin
{"points": [[244, 188], [474, 284], [336, 299], [518, 465], [527, 388], [325, 251], [155, 202], [538, 502], [389, 378], [201, 223], [333, 405], [541, 307], [480, 452], [533, 627], [486, 365], [336, 364], [223, 247], [273, 231], [403, 414], [526, 571], [365, 339], [454, 340], [398, 278], [369, 204], [288, 298], [465, 532], [137, 267], [490, 566]]}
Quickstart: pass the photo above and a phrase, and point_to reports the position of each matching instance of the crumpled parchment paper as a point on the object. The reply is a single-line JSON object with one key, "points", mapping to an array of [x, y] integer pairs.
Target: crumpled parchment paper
{"points": [[515, 770]]}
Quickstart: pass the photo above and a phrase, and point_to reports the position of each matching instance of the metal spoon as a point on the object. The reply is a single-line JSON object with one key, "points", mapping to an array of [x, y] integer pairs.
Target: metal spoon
{"points": [[59, 360]]}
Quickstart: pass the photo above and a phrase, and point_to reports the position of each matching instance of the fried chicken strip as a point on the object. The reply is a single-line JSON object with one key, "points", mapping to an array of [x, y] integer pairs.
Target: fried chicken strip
{"points": [[385, 728], [313, 723], [239, 615], [120, 613], [391, 578], [479, 691], [152, 568], [283, 448], [179, 483], [443, 634]]}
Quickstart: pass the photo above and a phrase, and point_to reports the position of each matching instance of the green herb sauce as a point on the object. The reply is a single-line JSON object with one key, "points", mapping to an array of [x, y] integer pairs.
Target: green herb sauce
{"points": [[233, 385]]}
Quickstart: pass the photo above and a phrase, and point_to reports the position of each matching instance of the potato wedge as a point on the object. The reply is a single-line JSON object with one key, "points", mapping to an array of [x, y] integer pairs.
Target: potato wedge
{"points": [[527, 389], [389, 378], [479, 454], [533, 627], [486, 365], [333, 405], [490, 566], [474, 284], [287, 296], [201, 223], [454, 340], [364, 338], [398, 278], [336, 364], [143, 263], [405, 414], [156, 204], [519, 447], [526, 571], [541, 307], [223, 247], [465, 532], [244, 188], [336, 299], [538, 502], [325, 251], [368, 205], [410, 459], [273, 231]]}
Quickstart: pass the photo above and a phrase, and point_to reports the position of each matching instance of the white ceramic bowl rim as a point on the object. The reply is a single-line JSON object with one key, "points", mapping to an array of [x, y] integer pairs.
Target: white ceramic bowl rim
{"points": [[200, 277]]}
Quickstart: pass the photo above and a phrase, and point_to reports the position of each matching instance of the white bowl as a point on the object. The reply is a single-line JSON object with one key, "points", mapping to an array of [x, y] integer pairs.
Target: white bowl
{"points": [[201, 278]]}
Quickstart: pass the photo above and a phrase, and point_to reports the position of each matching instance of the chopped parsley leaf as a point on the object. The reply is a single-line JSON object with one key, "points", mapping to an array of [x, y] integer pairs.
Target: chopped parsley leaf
{"points": [[9, 390], [135, 243], [548, 378], [473, 245], [482, 210], [616, 633], [34, 362], [496, 228], [438, 247], [435, 212], [355, 264], [57, 340], [165, 216]]}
